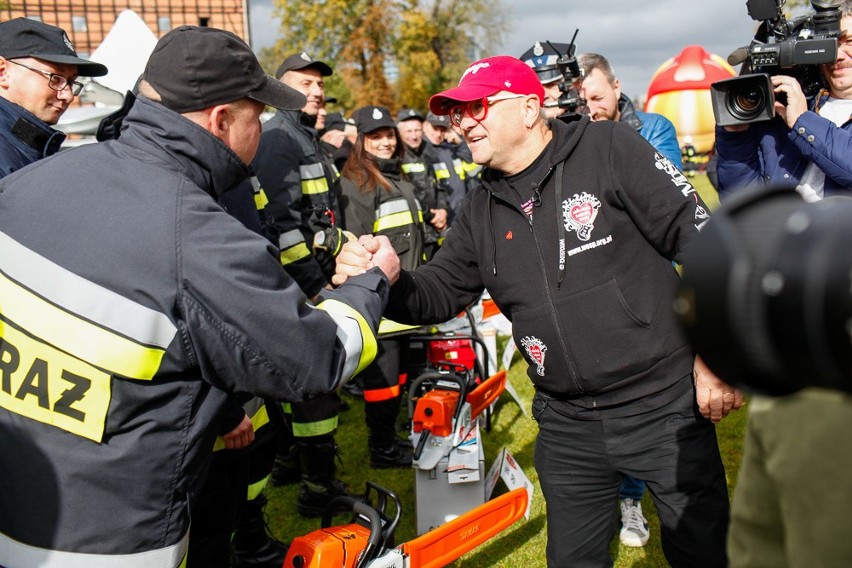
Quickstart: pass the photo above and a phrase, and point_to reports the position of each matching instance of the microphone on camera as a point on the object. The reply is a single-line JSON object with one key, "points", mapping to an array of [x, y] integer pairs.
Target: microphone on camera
{"points": [[737, 56]]}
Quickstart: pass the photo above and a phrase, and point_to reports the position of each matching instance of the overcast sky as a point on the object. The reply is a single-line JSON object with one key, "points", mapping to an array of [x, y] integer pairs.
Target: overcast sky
{"points": [[637, 36]]}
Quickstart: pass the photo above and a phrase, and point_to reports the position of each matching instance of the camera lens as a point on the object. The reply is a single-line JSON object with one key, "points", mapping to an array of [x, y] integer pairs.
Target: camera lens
{"points": [[765, 294], [746, 104]]}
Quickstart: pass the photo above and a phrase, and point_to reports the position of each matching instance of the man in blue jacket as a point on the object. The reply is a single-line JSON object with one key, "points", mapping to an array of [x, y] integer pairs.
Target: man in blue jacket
{"points": [[806, 147], [605, 101], [38, 80]]}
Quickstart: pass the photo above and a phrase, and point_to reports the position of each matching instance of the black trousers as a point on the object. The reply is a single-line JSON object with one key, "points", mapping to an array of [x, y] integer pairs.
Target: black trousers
{"points": [[673, 448]]}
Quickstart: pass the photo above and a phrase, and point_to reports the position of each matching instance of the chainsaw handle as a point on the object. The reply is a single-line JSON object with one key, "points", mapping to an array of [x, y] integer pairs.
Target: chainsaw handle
{"points": [[435, 376], [421, 443], [374, 542]]}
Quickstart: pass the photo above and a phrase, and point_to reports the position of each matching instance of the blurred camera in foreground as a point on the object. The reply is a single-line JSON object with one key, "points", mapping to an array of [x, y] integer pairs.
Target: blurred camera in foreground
{"points": [[765, 297]]}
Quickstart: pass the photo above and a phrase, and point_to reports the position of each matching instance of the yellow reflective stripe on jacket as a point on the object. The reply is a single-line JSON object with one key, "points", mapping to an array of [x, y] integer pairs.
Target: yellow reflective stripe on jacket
{"points": [[292, 247], [441, 170], [313, 179], [354, 333], [14, 553], [394, 213], [414, 168], [458, 166], [51, 387], [260, 199], [471, 169], [80, 317], [390, 326]]}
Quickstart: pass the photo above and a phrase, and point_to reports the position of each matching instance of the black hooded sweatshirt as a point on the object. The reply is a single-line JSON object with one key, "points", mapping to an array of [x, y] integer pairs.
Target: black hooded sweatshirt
{"points": [[586, 279]]}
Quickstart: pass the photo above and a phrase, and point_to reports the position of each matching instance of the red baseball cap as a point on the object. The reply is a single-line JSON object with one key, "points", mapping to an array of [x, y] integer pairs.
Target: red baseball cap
{"points": [[488, 76]]}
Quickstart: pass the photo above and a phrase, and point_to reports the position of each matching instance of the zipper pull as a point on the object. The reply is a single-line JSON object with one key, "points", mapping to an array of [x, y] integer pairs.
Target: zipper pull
{"points": [[536, 200]]}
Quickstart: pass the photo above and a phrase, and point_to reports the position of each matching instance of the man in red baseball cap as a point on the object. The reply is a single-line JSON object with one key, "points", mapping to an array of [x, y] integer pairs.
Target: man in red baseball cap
{"points": [[573, 231]]}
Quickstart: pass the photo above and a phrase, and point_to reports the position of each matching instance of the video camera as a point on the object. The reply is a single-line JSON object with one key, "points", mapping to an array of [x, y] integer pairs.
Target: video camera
{"points": [[791, 47], [556, 62], [569, 97], [765, 296]]}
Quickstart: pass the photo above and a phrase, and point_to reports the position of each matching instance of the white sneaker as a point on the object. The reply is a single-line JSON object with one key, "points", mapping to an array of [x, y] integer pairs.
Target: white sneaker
{"points": [[634, 527]]}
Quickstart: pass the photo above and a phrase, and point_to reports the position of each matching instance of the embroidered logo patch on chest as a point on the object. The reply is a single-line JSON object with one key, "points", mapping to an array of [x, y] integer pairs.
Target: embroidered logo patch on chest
{"points": [[579, 214]]}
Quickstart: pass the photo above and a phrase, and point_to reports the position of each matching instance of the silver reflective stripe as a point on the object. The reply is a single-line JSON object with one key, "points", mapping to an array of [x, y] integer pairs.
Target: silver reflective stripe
{"points": [[311, 171], [255, 184], [82, 297], [391, 207], [414, 167], [16, 554], [290, 239], [349, 335]]}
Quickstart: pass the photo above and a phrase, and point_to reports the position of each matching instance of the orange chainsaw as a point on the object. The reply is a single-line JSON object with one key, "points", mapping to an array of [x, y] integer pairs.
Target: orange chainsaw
{"points": [[367, 541], [443, 416]]}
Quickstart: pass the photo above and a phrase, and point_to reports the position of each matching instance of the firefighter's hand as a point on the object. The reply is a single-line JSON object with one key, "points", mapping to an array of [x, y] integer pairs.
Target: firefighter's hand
{"points": [[357, 258], [439, 218], [241, 436], [716, 399]]}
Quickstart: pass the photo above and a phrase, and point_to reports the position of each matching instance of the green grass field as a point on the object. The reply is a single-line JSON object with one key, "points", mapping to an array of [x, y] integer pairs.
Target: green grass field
{"points": [[523, 544]]}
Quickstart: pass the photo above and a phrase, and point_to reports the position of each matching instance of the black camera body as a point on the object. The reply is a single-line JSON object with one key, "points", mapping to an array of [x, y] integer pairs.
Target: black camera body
{"points": [[791, 47], [569, 97]]}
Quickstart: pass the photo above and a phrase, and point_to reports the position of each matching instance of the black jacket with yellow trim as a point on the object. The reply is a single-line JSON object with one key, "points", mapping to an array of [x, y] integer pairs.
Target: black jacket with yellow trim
{"points": [[402, 223], [132, 304], [303, 190]]}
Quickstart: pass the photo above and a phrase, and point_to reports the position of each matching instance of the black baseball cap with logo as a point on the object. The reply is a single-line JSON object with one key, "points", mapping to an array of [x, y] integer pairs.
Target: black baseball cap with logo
{"points": [[439, 120], [409, 114], [193, 68], [302, 61], [23, 37], [371, 118]]}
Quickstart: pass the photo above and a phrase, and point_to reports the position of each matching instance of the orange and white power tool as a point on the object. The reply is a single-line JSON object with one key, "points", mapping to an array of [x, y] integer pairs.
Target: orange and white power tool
{"points": [[367, 540], [443, 416]]}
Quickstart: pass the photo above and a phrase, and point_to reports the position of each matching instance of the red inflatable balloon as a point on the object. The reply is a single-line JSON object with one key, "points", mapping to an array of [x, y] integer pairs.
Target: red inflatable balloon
{"points": [[680, 90]]}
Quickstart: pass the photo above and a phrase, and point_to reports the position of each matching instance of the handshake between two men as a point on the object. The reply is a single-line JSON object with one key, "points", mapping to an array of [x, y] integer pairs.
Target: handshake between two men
{"points": [[356, 257]]}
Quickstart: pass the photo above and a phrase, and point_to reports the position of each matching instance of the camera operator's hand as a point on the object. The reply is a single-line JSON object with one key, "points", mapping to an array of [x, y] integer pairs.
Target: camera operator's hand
{"points": [[358, 257], [716, 399], [796, 105]]}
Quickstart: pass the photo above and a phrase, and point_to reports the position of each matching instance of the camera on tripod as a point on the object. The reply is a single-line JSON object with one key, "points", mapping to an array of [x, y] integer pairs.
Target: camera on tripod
{"points": [[791, 47]]}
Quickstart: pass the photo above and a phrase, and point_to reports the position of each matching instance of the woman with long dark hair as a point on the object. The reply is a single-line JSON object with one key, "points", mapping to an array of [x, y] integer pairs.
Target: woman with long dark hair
{"points": [[378, 199]]}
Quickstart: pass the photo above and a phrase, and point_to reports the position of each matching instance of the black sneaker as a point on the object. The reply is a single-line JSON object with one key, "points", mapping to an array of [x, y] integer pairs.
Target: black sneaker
{"points": [[395, 454]]}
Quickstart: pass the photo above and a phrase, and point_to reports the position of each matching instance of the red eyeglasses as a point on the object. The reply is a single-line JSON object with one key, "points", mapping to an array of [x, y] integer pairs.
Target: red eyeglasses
{"points": [[477, 109]]}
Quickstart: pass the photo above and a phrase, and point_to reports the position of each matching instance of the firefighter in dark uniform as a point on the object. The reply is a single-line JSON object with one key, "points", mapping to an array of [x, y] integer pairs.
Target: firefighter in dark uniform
{"points": [[418, 162], [379, 199], [302, 186], [449, 167], [123, 341]]}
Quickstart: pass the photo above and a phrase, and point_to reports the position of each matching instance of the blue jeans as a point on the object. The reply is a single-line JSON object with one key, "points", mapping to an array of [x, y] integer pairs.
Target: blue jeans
{"points": [[631, 488]]}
